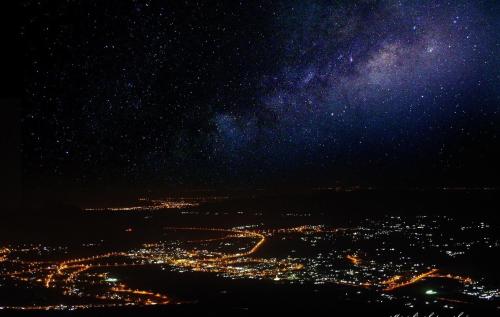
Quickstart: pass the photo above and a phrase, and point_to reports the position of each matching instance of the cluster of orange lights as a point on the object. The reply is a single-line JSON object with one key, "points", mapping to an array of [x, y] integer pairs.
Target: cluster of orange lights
{"points": [[354, 259], [4, 252], [398, 281], [66, 275], [233, 263], [162, 204]]}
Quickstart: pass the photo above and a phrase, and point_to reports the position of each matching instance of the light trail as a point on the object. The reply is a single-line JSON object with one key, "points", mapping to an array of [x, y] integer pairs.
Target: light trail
{"points": [[392, 282], [413, 280], [354, 259], [48, 280], [465, 280], [163, 299], [4, 254]]}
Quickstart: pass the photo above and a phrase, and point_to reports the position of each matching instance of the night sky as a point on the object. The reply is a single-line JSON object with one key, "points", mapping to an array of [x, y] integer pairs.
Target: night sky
{"points": [[304, 93]]}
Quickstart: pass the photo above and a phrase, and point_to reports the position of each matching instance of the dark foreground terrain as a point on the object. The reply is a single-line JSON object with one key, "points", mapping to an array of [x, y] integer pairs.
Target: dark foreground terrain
{"points": [[352, 252]]}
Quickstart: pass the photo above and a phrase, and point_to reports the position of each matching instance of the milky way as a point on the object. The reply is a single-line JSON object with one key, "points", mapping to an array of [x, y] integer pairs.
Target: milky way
{"points": [[372, 81], [284, 91]]}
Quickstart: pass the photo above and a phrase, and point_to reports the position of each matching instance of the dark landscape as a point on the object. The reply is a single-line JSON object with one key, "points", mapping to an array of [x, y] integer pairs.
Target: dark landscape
{"points": [[277, 157], [333, 249]]}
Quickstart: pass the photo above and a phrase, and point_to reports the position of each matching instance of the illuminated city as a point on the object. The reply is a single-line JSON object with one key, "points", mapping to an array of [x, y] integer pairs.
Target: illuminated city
{"points": [[145, 204], [364, 258]]}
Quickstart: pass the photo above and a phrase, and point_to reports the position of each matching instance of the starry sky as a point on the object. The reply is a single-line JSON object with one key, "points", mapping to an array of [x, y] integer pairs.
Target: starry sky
{"points": [[260, 93]]}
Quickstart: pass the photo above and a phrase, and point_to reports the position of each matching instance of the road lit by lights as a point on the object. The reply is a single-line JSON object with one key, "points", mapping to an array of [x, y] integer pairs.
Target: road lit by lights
{"points": [[234, 253], [354, 259]]}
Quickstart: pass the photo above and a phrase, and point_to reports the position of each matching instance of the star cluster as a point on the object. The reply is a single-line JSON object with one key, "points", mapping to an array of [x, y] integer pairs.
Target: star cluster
{"points": [[205, 92]]}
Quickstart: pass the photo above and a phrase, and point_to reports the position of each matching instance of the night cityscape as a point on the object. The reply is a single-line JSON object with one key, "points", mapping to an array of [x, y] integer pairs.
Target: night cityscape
{"points": [[240, 157]]}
